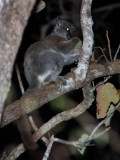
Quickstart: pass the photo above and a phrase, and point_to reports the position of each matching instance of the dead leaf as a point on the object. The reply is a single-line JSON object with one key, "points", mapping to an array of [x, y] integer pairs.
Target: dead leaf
{"points": [[106, 94]]}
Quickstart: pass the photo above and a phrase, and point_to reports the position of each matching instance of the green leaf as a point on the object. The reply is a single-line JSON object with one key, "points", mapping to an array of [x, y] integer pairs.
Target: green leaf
{"points": [[77, 47], [82, 150], [107, 122], [83, 138]]}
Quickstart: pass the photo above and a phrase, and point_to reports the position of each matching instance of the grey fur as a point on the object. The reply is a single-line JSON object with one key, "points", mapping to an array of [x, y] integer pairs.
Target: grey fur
{"points": [[44, 60]]}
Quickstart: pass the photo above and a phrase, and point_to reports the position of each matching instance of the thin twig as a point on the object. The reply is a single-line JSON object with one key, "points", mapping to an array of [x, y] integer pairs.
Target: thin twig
{"points": [[33, 123], [115, 57], [102, 50], [19, 79], [49, 147], [63, 141], [45, 140], [103, 121], [109, 48], [96, 128], [80, 143], [99, 58], [101, 133], [100, 83], [106, 8]]}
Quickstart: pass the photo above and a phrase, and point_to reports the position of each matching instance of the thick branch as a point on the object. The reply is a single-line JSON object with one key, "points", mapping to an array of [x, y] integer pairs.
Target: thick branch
{"points": [[67, 115], [86, 25], [13, 19], [37, 98]]}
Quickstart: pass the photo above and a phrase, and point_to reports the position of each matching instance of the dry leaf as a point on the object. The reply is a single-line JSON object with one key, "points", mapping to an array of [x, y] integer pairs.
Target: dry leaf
{"points": [[106, 94]]}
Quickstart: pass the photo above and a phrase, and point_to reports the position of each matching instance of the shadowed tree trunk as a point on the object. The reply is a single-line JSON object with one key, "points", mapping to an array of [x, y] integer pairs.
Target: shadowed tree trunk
{"points": [[13, 19]]}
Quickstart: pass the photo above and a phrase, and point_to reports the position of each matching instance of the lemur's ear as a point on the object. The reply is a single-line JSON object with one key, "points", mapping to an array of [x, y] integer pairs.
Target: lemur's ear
{"points": [[59, 21]]}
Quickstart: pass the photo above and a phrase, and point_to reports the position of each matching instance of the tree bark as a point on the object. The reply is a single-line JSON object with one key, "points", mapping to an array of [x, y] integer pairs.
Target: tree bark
{"points": [[34, 99], [13, 19]]}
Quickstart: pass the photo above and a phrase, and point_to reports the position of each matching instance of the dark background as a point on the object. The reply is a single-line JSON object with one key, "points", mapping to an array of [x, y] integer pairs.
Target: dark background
{"points": [[106, 16]]}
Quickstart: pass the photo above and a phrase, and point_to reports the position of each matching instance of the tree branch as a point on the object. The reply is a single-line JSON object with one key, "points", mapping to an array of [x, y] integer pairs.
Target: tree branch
{"points": [[86, 25], [34, 99], [13, 19], [63, 116]]}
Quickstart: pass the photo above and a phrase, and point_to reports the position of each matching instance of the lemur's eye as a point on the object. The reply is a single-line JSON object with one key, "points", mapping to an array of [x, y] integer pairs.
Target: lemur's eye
{"points": [[68, 29]]}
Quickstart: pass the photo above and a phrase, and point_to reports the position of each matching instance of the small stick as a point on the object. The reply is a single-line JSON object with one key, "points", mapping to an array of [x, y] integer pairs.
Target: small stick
{"points": [[19, 79], [115, 57], [99, 58], [102, 122], [101, 133], [102, 50], [49, 147], [102, 82], [33, 123], [106, 8], [109, 48]]}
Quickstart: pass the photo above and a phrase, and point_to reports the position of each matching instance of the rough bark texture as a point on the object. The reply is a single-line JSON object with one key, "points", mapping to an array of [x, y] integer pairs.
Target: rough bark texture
{"points": [[13, 19], [86, 26], [37, 98]]}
